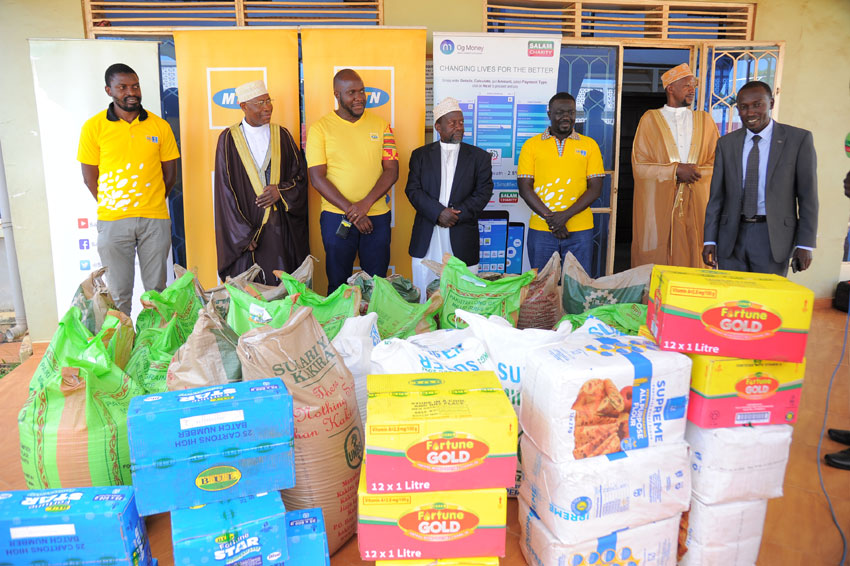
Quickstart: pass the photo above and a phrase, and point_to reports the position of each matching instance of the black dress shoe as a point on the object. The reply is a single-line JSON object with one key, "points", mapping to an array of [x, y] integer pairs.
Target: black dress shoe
{"points": [[838, 435], [839, 460]]}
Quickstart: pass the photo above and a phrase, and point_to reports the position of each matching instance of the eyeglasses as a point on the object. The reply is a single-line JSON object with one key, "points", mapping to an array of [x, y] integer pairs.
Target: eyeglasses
{"points": [[261, 103]]}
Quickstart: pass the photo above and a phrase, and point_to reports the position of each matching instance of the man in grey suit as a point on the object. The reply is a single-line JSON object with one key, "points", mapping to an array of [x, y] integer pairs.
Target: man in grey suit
{"points": [[763, 205]]}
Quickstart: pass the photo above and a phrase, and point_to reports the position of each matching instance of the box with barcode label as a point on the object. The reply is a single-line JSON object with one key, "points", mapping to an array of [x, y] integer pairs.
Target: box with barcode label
{"points": [[731, 392], [210, 444], [88, 525]]}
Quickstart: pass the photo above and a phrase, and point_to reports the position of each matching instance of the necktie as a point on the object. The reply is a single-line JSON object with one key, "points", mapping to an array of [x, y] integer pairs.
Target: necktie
{"points": [[751, 180]]}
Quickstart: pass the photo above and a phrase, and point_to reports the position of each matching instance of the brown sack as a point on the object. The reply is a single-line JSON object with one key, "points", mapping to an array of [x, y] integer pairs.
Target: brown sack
{"points": [[328, 431], [93, 299], [542, 306], [208, 357]]}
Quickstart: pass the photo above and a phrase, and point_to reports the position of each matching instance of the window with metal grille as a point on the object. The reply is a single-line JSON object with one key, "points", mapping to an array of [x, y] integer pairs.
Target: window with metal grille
{"points": [[622, 19], [157, 17]]}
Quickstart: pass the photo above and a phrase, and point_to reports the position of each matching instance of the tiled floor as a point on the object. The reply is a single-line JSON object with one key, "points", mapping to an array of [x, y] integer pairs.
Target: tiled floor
{"points": [[798, 530]]}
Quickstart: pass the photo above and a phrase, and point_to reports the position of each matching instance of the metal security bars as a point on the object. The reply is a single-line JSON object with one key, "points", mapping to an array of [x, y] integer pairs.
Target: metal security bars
{"points": [[636, 19], [158, 17]]}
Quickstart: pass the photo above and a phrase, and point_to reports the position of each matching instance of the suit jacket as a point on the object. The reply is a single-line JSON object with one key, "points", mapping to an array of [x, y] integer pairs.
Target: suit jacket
{"points": [[791, 192], [472, 188]]}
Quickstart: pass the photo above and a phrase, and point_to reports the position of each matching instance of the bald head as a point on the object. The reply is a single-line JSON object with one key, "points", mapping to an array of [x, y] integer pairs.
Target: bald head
{"points": [[350, 95], [343, 76]]}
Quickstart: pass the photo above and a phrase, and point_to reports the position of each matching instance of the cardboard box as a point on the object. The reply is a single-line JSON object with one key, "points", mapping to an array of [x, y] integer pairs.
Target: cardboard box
{"points": [[307, 538], [85, 525], [479, 561], [442, 431], [729, 313], [730, 391], [247, 530], [210, 444], [431, 524]]}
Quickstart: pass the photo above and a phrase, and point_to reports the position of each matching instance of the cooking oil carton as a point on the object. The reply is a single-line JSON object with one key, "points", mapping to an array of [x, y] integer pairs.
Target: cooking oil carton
{"points": [[729, 313], [86, 525], [246, 530], [433, 524], [210, 444], [441, 431], [307, 538], [730, 391], [478, 561]]}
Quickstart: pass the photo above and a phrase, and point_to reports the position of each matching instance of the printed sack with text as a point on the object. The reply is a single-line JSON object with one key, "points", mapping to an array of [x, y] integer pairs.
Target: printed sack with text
{"points": [[462, 289], [328, 431], [73, 425], [442, 350], [600, 391], [582, 293]]}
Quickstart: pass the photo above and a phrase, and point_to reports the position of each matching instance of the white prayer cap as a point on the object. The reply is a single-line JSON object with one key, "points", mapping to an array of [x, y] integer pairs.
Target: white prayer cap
{"points": [[444, 107], [251, 90]]}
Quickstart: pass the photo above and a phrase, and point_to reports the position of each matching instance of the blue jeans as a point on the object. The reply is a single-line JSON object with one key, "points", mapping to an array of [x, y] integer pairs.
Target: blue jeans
{"points": [[373, 249], [541, 246]]}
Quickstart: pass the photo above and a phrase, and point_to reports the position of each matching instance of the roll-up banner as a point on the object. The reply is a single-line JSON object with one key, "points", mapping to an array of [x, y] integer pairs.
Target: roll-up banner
{"points": [[210, 65], [68, 76], [391, 63], [503, 83]]}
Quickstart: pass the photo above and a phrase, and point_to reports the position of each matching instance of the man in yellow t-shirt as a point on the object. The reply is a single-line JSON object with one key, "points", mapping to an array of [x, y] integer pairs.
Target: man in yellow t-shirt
{"points": [[353, 162], [559, 175], [129, 162]]}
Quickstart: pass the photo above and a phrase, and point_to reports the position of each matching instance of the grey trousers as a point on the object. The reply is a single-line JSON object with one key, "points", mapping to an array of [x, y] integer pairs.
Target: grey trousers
{"points": [[752, 252], [118, 242]]}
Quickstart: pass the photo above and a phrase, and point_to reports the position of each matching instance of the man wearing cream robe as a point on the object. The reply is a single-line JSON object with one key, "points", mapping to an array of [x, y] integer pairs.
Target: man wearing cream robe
{"points": [[672, 161]]}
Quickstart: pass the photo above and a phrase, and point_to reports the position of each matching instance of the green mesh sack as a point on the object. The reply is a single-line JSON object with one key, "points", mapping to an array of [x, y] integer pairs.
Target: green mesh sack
{"points": [[73, 425], [625, 317], [247, 312], [398, 318], [330, 311], [178, 299], [461, 289]]}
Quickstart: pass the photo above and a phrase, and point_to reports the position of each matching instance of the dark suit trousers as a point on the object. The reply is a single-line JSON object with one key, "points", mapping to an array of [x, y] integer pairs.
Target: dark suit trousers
{"points": [[752, 252]]}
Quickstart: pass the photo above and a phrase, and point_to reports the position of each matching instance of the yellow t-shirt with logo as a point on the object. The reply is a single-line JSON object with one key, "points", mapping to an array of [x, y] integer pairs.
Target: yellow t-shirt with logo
{"points": [[560, 174], [129, 159], [353, 153]]}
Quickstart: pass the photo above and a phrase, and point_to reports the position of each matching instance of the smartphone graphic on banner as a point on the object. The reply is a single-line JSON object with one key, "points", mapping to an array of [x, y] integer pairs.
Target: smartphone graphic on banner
{"points": [[516, 243], [493, 240]]}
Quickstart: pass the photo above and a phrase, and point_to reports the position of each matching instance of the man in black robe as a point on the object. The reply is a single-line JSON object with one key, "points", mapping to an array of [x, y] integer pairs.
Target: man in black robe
{"points": [[260, 192]]}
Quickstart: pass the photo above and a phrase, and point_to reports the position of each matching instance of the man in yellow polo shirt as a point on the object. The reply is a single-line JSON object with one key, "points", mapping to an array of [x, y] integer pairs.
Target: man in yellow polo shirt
{"points": [[559, 175], [353, 162], [129, 162]]}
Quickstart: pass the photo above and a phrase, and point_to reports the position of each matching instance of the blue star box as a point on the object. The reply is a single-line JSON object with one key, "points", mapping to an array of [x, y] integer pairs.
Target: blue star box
{"points": [[210, 444], [87, 525], [245, 531]]}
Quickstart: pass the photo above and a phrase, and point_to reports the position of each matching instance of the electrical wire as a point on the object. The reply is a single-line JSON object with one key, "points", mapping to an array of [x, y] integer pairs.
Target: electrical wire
{"points": [[820, 443]]}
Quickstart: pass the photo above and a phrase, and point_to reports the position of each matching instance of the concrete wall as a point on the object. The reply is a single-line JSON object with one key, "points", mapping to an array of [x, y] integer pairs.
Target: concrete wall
{"points": [[20, 20], [815, 96]]}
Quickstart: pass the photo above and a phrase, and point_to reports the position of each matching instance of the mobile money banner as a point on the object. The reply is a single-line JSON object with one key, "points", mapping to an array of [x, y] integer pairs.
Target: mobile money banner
{"points": [[503, 83], [391, 63], [210, 65], [69, 89]]}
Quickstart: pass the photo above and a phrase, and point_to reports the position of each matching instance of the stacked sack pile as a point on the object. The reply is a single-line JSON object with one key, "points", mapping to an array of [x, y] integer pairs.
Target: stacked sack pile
{"points": [[604, 461], [440, 453], [746, 334]]}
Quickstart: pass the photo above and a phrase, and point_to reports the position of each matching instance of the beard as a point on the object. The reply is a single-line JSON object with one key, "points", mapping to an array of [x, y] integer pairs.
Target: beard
{"points": [[129, 107], [351, 111]]}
